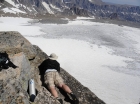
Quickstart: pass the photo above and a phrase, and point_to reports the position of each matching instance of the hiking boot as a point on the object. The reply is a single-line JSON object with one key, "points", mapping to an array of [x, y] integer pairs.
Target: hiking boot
{"points": [[60, 100], [74, 98]]}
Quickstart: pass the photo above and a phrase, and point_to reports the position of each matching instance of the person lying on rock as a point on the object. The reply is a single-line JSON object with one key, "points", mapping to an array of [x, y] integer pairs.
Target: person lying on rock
{"points": [[52, 78]]}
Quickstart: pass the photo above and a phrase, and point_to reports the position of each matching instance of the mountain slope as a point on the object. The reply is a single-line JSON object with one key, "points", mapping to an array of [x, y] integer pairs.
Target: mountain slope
{"points": [[95, 8]]}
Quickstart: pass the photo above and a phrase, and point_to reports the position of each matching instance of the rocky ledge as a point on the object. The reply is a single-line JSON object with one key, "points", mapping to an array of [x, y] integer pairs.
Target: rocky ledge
{"points": [[14, 82]]}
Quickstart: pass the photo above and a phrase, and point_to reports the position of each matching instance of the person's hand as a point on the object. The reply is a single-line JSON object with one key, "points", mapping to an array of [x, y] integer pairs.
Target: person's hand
{"points": [[15, 67]]}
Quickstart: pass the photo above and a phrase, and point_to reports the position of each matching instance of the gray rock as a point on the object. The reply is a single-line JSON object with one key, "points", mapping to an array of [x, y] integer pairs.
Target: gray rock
{"points": [[14, 82], [14, 43]]}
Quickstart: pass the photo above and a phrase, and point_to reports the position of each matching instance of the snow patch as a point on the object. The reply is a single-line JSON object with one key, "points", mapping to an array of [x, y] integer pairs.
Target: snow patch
{"points": [[29, 9], [90, 1], [67, 1], [7, 10], [12, 3], [17, 10], [54, 7], [85, 18], [12, 10], [34, 10], [17, 1], [80, 22], [47, 7]]}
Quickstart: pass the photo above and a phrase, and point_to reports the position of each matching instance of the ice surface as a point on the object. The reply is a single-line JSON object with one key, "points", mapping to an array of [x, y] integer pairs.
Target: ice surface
{"points": [[19, 24]]}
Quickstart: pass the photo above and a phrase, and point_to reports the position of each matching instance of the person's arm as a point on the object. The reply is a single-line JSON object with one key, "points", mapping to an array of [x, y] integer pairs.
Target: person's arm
{"points": [[42, 67], [58, 67], [12, 65]]}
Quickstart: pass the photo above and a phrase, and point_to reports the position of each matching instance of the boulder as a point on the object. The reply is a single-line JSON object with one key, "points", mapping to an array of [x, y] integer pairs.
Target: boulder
{"points": [[13, 42]]}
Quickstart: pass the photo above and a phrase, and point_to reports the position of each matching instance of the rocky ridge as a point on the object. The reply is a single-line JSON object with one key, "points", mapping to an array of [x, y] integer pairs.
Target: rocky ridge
{"points": [[66, 8], [14, 82]]}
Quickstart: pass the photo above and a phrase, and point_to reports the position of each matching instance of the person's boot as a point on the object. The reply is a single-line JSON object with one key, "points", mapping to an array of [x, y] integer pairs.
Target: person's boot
{"points": [[74, 98], [60, 100]]}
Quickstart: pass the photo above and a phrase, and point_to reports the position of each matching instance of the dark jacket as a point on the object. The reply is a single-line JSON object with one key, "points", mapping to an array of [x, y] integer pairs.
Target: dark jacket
{"points": [[49, 64]]}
